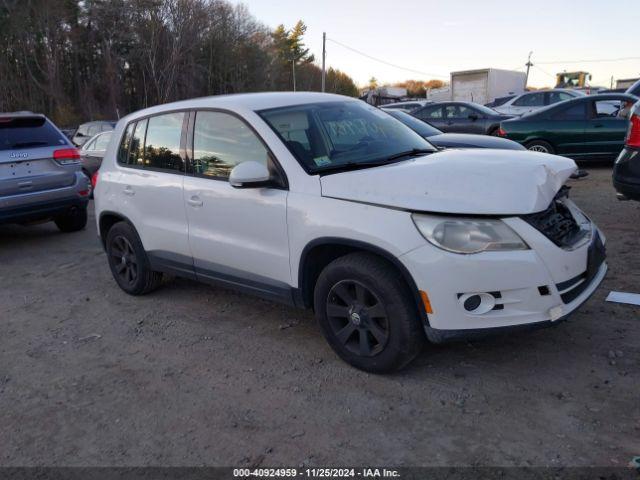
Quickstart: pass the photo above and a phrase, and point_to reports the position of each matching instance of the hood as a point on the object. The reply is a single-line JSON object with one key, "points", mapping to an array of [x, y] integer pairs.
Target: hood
{"points": [[467, 140], [472, 182]]}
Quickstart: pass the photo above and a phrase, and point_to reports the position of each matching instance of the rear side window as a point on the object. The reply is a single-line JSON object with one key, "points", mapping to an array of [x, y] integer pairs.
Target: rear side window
{"points": [[531, 100], [575, 112], [555, 97], [136, 149], [125, 143], [429, 113], [162, 144], [222, 141], [28, 132]]}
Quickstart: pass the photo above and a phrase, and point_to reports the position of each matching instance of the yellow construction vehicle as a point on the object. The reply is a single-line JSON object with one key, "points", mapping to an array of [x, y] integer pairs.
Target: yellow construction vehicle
{"points": [[572, 79]]}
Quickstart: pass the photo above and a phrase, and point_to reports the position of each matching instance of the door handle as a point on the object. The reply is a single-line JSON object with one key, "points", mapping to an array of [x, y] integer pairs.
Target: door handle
{"points": [[195, 201], [129, 191], [598, 125]]}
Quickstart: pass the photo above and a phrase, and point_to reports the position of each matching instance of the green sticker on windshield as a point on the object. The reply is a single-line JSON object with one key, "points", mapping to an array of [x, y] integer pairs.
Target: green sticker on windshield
{"points": [[322, 161]]}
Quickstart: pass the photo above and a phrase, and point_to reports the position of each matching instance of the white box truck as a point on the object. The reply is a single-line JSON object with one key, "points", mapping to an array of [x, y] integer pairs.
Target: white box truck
{"points": [[485, 85]]}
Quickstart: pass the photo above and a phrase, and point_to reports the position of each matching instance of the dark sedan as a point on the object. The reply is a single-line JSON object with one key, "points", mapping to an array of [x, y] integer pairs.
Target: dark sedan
{"points": [[586, 128], [461, 117], [452, 140], [626, 171]]}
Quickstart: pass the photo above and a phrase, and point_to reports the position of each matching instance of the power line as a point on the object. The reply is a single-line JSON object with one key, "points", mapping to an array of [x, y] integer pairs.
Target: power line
{"points": [[385, 62], [592, 60], [544, 71]]}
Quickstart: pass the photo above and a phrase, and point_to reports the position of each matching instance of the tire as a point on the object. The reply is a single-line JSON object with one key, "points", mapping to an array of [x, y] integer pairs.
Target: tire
{"points": [[128, 261], [540, 146], [348, 292], [86, 174], [73, 221], [494, 132]]}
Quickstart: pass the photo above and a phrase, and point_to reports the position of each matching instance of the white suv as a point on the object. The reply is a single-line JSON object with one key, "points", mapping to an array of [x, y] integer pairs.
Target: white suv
{"points": [[323, 201]]}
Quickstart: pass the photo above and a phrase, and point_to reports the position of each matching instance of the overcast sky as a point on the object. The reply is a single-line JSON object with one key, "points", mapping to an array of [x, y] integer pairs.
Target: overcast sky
{"points": [[437, 37]]}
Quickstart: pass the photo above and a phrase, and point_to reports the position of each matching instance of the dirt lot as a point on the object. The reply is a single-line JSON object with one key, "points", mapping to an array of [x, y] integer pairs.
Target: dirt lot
{"points": [[196, 375]]}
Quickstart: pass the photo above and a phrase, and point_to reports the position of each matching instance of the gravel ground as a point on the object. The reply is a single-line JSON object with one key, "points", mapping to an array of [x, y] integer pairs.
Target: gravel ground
{"points": [[197, 375]]}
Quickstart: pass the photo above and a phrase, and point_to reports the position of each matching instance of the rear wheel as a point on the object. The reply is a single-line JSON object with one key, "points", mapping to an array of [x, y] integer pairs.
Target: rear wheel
{"points": [[367, 313], [88, 175], [129, 262], [72, 221], [540, 146]]}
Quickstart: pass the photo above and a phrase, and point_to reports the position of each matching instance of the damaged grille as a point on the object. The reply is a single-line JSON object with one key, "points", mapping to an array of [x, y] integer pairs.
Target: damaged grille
{"points": [[556, 222]]}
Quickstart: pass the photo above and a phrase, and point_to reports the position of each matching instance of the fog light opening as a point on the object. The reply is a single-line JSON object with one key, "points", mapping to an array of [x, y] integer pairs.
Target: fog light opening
{"points": [[477, 303]]}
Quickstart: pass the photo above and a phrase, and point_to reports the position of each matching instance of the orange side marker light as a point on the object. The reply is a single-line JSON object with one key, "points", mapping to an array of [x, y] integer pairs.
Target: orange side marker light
{"points": [[426, 303]]}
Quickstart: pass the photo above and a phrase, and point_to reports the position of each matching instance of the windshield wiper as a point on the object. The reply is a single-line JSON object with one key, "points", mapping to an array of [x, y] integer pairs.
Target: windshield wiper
{"points": [[375, 163], [410, 153]]}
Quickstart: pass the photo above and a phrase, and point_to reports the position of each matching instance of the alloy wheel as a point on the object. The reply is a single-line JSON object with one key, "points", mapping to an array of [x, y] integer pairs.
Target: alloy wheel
{"points": [[357, 318], [124, 259], [539, 148]]}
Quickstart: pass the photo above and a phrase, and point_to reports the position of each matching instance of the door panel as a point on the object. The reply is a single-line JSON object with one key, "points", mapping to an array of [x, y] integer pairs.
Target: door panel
{"points": [[605, 130], [237, 235], [152, 199], [566, 129], [457, 120]]}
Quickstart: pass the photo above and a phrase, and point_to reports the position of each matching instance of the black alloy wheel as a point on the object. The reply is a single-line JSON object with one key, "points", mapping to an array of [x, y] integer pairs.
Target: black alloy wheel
{"points": [[125, 261], [358, 318]]}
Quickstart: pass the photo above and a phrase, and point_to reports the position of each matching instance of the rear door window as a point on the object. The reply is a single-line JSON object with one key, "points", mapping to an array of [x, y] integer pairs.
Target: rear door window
{"points": [[429, 113], [458, 111], [19, 133], [530, 100], [162, 144], [555, 97], [574, 112]]}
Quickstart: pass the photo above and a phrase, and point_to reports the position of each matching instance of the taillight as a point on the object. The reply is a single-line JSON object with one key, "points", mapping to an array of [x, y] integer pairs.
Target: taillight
{"points": [[633, 134], [94, 180], [66, 156], [501, 132]]}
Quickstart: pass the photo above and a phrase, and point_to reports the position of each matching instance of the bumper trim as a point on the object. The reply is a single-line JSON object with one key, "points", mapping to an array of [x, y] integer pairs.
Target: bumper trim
{"points": [[41, 210], [444, 336]]}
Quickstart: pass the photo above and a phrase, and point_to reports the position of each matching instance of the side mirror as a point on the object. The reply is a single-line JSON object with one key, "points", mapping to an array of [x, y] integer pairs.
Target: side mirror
{"points": [[473, 117], [249, 174]]}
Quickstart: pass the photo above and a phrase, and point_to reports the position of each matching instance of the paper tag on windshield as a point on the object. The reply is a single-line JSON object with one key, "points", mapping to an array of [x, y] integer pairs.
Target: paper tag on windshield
{"points": [[322, 161]]}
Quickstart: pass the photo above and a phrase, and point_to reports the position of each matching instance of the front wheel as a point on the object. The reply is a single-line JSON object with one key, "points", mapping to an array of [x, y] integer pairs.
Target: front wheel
{"points": [[540, 146], [367, 314]]}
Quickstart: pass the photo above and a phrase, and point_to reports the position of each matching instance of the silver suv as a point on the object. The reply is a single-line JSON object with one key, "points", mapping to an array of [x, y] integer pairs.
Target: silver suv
{"points": [[40, 174]]}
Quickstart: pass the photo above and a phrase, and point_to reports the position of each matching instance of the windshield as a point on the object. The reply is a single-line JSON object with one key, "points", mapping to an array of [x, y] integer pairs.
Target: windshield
{"points": [[327, 136], [420, 127]]}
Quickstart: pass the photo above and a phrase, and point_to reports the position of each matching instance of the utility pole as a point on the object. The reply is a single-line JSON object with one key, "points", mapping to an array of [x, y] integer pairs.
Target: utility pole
{"points": [[529, 65], [324, 56], [293, 68]]}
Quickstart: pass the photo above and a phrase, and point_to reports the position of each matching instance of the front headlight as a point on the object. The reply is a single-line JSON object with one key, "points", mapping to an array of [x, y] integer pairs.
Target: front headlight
{"points": [[468, 235]]}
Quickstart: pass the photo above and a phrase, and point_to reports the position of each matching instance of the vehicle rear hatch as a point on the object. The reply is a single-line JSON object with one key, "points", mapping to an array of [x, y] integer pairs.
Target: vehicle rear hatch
{"points": [[27, 146]]}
